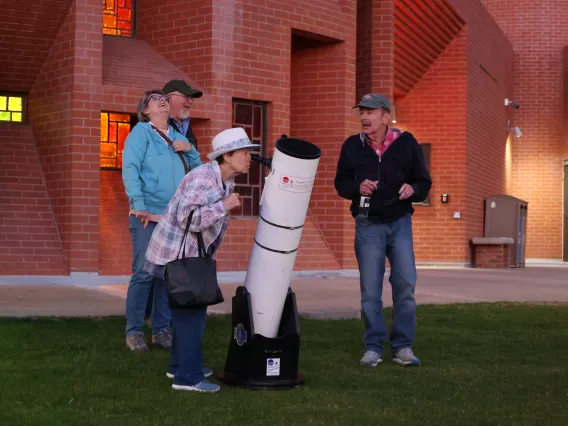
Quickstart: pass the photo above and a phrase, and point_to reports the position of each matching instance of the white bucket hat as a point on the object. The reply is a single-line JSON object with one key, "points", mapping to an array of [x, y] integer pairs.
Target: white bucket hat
{"points": [[230, 140]]}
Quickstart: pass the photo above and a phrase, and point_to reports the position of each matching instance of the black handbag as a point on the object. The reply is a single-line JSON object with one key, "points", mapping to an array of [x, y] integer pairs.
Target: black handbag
{"points": [[192, 281]]}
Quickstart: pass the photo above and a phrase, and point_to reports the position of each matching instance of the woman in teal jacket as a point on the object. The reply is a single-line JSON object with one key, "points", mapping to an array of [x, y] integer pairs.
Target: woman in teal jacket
{"points": [[154, 161]]}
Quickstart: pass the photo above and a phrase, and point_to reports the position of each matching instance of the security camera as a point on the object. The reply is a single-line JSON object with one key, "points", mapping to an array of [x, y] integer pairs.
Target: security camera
{"points": [[512, 103]]}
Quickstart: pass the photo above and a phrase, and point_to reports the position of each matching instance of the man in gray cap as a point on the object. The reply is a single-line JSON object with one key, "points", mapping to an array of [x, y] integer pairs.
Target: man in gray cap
{"points": [[182, 96], [383, 171]]}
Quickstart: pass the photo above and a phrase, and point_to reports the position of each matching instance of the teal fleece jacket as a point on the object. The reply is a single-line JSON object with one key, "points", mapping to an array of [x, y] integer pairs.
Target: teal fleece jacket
{"points": [[151, 169]]}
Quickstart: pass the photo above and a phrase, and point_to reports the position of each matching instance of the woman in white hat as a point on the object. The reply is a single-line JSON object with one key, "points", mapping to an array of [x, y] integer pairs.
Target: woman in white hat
{"points": [[207, 191]]}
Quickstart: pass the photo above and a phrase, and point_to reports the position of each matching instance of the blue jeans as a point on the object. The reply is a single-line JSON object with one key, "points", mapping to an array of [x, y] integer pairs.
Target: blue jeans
{"points": [[374, 242], [141, 283], [186, 362]]}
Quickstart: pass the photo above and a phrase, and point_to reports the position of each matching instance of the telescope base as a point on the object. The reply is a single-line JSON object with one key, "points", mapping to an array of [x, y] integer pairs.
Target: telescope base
{"points": [[258, 362], [261, 385]]}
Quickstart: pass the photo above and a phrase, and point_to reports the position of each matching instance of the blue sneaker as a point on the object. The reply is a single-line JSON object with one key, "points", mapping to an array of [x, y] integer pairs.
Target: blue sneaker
{"points": [[371, 359], [207, 372], [204, 386], [406, 358]]}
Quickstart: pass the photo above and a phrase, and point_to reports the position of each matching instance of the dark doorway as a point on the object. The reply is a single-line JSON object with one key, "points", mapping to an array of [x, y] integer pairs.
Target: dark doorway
{"points": [[565, 212]]}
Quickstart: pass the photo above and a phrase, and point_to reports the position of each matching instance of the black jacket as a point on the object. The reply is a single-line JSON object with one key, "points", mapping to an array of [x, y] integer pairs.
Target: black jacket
{"points": [[403, 162], [189, 134]]}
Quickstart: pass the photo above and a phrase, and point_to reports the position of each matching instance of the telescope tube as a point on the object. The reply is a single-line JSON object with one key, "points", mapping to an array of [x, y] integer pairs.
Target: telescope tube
{"points": [[283, 209]]}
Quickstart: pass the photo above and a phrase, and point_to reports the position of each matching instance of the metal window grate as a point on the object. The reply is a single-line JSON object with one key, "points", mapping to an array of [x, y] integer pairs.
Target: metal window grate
{"points": [[251, 116]]}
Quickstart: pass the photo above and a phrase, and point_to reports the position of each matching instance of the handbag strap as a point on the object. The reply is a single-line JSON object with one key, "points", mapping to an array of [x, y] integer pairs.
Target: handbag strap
{"points": [[169, 141], [200, 243]]}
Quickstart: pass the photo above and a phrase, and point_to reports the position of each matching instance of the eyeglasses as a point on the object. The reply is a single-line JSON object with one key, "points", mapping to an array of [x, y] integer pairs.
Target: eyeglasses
{"points": [[156, 97], [187, 98]]}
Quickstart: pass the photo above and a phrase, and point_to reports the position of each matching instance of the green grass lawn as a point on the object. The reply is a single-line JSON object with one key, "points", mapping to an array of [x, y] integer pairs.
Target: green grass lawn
{"points": [[499, 364]]}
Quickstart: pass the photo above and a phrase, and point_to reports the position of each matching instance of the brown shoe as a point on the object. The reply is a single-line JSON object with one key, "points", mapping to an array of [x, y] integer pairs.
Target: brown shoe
{"points": [[163, 338], [137, 344]]}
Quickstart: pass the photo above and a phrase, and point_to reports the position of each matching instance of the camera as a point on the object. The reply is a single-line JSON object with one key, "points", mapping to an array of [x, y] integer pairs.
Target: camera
{"points": [[364, 206], [512, 103]]}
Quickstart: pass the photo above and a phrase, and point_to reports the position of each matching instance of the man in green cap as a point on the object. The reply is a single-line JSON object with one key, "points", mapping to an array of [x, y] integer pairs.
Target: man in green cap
{"points": [[382, 172], [182, 96]]}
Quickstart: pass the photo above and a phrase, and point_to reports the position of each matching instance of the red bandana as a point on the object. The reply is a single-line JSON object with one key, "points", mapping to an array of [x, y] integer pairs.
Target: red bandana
{"points": [[381, 147]]}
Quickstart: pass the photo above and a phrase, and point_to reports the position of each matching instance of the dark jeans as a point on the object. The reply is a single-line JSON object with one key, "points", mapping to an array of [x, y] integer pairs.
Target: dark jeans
{"points": [[186, 356], [149, 303], [142, 283], [373, 243]]}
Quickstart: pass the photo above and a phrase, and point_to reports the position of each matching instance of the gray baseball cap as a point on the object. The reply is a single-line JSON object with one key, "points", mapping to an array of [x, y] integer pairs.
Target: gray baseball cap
{"points": [[374, 101]]}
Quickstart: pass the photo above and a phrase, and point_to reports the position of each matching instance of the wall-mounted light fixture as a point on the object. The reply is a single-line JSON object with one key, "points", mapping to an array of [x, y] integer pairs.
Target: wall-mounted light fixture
{"points": [[393, 114], [514, 129]]}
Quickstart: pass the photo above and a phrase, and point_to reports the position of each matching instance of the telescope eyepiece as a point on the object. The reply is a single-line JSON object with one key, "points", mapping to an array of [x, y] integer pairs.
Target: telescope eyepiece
{"points": [[267, 162]]}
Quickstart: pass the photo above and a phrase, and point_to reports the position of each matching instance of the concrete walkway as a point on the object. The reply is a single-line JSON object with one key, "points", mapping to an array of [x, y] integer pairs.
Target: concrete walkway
{"points": [[333, 297]]}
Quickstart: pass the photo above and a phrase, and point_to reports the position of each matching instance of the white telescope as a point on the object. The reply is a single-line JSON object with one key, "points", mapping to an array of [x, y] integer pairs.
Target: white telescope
{"points": [[283, 209], [264, 348]]}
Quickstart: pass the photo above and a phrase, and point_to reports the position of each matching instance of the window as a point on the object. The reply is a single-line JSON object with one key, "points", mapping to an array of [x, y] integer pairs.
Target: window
{"points": [[118, 17], [114, 130], [426, 150], [12, 107], [250, 116]]}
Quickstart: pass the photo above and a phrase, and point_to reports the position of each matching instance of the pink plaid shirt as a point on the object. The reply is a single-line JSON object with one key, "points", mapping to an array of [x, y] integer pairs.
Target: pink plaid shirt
{"points": [[381, 147], [200, 191]]}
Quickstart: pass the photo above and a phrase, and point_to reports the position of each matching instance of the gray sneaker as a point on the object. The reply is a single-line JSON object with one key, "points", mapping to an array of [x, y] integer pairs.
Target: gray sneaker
{"points": [[204, 386], [137, 344], [371, 359], [406, 358], [163, 338]]}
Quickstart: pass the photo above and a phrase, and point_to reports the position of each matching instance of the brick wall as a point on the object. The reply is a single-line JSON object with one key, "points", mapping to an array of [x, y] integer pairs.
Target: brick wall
{"points": [[538, 40], [435, 112], [29, 241], [318, 69], [458, 107], [492, 256], [64, 108], [130, 67], [115, 245], [375, 47], [28, 30], [183, 34], [49, 111], [489, 70]]}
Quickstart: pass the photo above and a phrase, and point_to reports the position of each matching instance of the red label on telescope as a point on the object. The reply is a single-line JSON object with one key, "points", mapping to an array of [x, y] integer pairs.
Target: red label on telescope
{"points": [[296, 184]]}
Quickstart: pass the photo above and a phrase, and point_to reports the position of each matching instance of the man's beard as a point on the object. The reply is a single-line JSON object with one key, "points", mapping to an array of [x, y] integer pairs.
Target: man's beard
{"points": [[184, 113]]}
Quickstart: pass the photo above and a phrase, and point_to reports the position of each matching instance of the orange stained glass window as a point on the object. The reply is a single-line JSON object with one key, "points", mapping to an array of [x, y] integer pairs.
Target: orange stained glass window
{"points": [[118, 17], [11, 108], [114, 130]]}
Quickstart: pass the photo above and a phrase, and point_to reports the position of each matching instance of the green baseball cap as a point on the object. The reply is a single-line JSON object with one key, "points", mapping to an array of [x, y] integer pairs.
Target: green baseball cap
{"points": [[182, 87], [374, 101]]}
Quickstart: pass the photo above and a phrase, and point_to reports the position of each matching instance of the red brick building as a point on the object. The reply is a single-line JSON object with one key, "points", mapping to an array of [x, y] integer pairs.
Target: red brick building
{"points": [[72, 72]]}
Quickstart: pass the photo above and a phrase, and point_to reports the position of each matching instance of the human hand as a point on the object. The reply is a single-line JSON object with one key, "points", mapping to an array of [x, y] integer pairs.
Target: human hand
{"points": [[142, 216], [406, 191], [181, 146], [231, 202], [368, 186]]}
